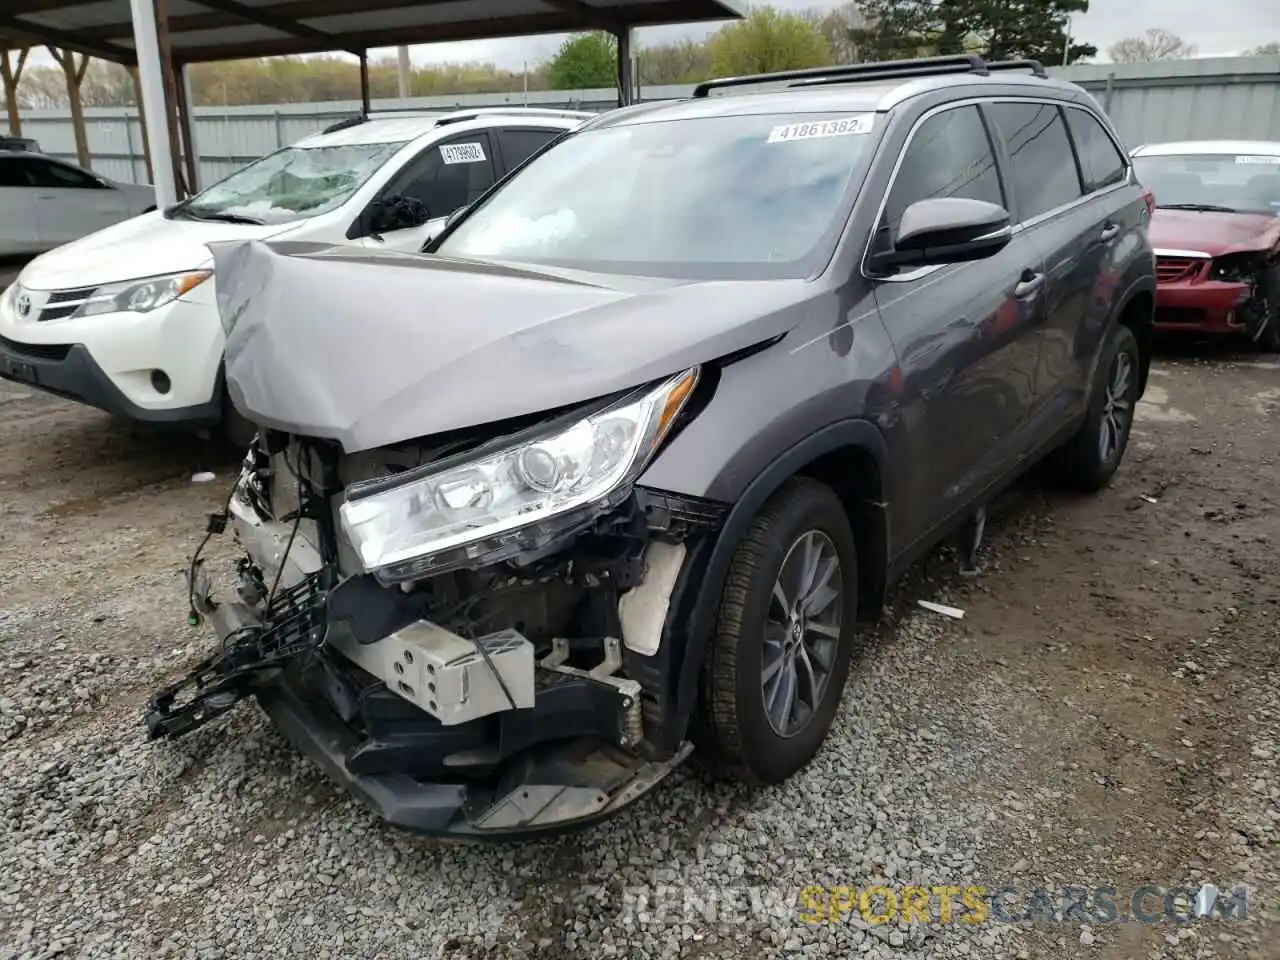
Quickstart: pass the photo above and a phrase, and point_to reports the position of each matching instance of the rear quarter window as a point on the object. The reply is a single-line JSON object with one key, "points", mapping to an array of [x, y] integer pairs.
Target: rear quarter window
{"points": [[1101, 162]]}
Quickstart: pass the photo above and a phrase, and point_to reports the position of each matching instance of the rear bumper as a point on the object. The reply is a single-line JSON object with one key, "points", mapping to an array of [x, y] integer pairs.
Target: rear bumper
{"points": [[70, 372], [1201, 307]]}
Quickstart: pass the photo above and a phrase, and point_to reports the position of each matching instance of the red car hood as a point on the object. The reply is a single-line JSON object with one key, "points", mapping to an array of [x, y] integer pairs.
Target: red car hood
{"points": [[1213, 233]]}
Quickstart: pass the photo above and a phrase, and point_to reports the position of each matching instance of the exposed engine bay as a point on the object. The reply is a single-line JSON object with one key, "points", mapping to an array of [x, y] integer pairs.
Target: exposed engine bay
{"points": [[516, 685]]}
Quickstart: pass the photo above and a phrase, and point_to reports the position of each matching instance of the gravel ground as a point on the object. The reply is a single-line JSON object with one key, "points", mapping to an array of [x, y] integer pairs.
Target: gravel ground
{"points": [[1108, 713]]}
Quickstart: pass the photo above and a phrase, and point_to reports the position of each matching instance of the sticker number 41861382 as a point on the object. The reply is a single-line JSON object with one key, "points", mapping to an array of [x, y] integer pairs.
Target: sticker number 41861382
{"points": [[462, 153], [843, 127]]}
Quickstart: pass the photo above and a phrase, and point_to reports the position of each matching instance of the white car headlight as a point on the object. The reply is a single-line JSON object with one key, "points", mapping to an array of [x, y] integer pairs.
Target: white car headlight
{"points": [[141, 296], [513, 499]]}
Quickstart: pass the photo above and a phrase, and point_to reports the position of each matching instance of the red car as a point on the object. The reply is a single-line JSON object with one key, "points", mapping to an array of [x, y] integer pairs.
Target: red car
{"points": [[1216, 234]]}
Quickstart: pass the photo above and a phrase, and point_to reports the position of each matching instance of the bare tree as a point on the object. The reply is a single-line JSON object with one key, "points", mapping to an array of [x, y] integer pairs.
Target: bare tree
{"points": [[1271, 49], [11, 74], [1155, 44]]}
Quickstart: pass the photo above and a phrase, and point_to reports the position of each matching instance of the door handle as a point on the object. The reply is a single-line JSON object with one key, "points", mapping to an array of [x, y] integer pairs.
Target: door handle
{"points": [[1030, 283], [1109, 232]]}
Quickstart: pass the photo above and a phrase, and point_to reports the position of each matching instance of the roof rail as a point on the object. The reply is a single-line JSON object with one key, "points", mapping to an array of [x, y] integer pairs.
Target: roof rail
{"points": [[385, 113], [343, 124], [1035, 66], [924, 66], [473, 114], [878, 70]]}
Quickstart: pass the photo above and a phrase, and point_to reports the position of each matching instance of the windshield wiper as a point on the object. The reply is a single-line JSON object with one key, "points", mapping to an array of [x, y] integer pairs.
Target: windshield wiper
{"points": [[224, 217], [1206, 207]]}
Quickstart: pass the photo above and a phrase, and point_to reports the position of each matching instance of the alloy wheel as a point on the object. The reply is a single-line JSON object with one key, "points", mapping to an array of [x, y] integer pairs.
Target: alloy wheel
{"points": [[802, 633], [1117, 407]]}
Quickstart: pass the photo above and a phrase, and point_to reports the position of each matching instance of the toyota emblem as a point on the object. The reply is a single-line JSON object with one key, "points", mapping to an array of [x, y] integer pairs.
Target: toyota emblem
{"points": [[24, 305]]}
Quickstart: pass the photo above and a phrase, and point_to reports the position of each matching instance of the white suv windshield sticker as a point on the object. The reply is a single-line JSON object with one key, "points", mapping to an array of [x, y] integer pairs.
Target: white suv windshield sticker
{"points": [[862, 123], [462, 153], [1257, 159]]}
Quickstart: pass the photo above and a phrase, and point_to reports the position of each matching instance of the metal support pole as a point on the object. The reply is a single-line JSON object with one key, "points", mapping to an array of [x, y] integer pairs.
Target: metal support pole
{"points": [[1106, 97], [626, 88], [128, 139], [188, 145], [403, 71], [146, 41], [364, 82], [190, 129]]}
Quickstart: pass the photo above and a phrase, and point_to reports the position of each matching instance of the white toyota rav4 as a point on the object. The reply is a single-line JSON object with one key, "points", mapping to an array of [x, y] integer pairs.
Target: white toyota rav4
{"points": [[125, 319]]}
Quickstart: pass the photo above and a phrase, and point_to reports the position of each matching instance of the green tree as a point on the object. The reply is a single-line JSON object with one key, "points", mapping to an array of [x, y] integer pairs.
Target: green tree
{"points": [[767, 41], [585, 62], [996, 29]]}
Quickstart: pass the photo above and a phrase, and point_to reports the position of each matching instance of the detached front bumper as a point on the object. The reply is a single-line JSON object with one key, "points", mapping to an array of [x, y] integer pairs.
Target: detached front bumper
{"points": [[570, 755], [1201, 306]]}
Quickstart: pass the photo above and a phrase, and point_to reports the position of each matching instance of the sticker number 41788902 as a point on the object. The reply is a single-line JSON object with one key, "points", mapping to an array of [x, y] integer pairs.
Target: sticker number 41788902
{"points": [[843, 127]]}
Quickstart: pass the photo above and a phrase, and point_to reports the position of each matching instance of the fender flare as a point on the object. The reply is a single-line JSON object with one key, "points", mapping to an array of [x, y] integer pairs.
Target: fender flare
{"points": [[695, 616], [1143, 284]]}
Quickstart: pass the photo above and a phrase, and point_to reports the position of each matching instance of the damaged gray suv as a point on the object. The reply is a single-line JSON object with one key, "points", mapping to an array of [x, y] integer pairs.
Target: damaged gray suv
{"points": [[613, 471]]}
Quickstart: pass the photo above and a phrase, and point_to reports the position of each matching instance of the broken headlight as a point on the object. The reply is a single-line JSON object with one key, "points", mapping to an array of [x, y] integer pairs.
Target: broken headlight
{"points": [[1237, 267], [506, 501]]}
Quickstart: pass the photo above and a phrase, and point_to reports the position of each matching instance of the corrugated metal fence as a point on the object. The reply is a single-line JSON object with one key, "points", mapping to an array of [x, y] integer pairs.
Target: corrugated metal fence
{"points": [[1170, 100]]}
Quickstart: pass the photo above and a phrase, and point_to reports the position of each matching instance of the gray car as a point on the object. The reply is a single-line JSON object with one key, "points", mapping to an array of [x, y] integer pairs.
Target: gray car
{"points": [[613, 473]]}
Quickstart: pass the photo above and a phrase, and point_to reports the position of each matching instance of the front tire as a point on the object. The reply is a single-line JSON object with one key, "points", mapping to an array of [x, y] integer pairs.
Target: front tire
{"points": [[1089, 460], [236, 429], [784, 637]]}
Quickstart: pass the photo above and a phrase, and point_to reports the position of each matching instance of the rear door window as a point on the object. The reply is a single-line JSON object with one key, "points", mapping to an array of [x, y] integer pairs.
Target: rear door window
{"points": [[47, 173], [12, 173], [1044, 171], [518, 144], [1101, 162], [949, 155]]}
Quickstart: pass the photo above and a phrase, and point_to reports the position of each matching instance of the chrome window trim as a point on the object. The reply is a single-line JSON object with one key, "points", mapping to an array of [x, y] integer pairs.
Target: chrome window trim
{"points": [[1017, 228], [1189, 254]]}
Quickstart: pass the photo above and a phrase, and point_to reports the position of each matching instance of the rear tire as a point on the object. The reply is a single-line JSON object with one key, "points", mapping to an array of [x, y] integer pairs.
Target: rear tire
{"points": [[783, 640], [1089, 460]]}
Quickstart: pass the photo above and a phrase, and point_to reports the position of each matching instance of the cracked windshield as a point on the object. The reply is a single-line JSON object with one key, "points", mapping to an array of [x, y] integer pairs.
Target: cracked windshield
{"points": [[291, 184]]}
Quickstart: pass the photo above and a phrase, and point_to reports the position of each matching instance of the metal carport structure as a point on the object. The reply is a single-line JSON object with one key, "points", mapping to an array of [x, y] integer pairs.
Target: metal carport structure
{"points": [[161, 37]]}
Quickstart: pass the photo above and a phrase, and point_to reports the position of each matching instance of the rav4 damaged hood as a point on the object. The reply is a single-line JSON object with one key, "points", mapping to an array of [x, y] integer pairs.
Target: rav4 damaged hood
{"points": [[371, 348]]}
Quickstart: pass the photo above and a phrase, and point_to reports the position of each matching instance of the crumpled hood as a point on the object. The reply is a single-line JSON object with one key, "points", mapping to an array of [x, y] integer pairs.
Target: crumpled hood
{"points": [[1212, 233], [371, 348], [142, 246]]}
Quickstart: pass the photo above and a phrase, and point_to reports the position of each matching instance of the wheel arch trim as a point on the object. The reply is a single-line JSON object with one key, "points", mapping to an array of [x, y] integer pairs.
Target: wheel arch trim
{"points": [[699, 616]]}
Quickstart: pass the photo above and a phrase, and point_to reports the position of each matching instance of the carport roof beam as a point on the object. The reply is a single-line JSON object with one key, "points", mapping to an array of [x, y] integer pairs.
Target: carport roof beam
{"points": [[202, 30]]}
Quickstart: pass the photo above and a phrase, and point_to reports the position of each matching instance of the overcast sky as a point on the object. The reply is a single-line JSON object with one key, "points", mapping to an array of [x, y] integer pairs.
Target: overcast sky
{"points": [[1215, 27]]}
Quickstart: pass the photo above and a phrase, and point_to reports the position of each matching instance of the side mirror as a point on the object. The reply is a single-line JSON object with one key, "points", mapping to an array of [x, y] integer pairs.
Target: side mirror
{"points": [[396, 212], [942, 230]]}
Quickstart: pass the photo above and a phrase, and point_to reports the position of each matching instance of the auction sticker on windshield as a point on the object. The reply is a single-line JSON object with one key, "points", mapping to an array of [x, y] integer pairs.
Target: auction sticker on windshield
{"points": [[462, 153], [862, 123], [1246, 159]]}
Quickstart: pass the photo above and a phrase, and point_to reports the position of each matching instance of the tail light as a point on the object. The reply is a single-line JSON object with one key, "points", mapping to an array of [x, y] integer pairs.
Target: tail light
{"points": [[1149, 195]]}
